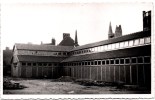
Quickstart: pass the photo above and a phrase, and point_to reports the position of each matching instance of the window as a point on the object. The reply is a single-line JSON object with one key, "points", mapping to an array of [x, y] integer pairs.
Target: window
{"points": [[134, 60], [55, 64], [107, 62], [59, 53], [29, 64], [126, 43], [131, 43], [109, 47], [96, 49], [34, 64], [23, 64], [117, 45], [102, 48], [117, 61], [141, 41], [64, 53], [99, 62], [88, 63], [44, 64], [40, 64], [92, 62], [111, 61], [127, 61], [121, 44], [85, 63], [105, 47], [49, 64], [147, 59], [82, 63], [136, 42], [121, 61], [147, 40], [140, 60], [103, 62], [95, 62], [113, 46]]}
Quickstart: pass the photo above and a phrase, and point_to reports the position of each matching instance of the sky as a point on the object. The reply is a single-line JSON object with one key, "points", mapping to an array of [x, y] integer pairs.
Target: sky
{"points": [[32, 22]]}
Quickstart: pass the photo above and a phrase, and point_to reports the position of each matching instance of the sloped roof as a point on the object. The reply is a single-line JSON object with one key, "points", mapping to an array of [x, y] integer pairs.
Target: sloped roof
{"points": [[114, 40], [136, 51], [28, 58], [42, 47], [67, 41]]}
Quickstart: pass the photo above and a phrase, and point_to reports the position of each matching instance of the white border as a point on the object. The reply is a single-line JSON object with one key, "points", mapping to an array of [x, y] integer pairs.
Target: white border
{"points": [[90, 96]]}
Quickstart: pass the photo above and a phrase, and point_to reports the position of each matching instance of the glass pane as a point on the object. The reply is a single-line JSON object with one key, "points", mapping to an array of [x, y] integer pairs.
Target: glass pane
{"points": [[117, 45], [109, 47], [147, 60], [126, 44], [121, 44], [148, 40], [117, 61], [113, 46], [141, 41], [103, 62], [105, 47], [136, 42], [131, 43]]}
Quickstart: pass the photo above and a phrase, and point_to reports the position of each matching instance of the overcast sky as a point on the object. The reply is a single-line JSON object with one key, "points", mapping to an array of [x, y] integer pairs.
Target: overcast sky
{"points": [[36, 22]]}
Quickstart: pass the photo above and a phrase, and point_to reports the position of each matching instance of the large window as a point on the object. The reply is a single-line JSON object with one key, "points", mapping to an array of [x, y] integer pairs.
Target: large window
{"points": [[141, 41], [126, 43], [127, 61], [113, 46], [136, 42], [109, 47], [140, 60], [147, 59], [134, 60], [121, 44], [23, 64], [29, 64], [103, 62], [117, 61], [131, 43], [117, 45], [148, 40]]}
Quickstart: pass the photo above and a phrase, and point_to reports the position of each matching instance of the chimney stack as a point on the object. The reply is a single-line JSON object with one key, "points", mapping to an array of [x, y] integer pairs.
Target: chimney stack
{"points": [[66, 35], [53, 41]]}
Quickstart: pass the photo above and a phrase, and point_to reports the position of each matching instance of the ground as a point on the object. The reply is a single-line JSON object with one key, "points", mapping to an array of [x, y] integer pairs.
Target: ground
{"points": [[49, 86]]}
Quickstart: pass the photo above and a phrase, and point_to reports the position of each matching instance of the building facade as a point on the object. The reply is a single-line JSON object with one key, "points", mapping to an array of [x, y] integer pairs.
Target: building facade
{"points": [[119, 59]]}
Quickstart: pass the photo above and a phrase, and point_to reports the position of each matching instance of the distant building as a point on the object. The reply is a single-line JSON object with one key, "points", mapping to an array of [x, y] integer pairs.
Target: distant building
{"points": [[7, 54], [124, 59]]}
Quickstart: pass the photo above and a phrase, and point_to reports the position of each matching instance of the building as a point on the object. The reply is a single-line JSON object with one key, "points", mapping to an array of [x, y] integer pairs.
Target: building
{"points": [[7, 54], [118, 59]]}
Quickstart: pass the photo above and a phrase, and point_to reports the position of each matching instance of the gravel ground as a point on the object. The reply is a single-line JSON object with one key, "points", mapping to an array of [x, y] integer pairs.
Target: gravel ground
{"points": [[47, 86]]}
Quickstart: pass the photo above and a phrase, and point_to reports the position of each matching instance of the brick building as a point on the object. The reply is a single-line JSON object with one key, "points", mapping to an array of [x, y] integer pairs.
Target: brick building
{"points": [[120, 58]]}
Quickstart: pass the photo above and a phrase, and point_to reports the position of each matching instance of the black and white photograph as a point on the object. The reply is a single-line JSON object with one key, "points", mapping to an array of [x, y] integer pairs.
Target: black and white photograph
{"points": [[72, 49]]}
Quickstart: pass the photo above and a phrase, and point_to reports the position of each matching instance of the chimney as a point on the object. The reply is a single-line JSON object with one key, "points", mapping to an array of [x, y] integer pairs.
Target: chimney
{"points": [[76, 40], [146, 20], [7, 48], [66, 35], [53, 41]]}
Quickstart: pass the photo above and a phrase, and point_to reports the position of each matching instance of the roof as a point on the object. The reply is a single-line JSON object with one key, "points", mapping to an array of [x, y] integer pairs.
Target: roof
{"points": [[28, 58], [129, 52], [43, 47], [117, 39], [67, 41]]}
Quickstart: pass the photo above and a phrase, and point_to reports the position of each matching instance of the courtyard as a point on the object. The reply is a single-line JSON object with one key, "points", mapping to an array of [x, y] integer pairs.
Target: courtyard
{"points": [[53, 86]]}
